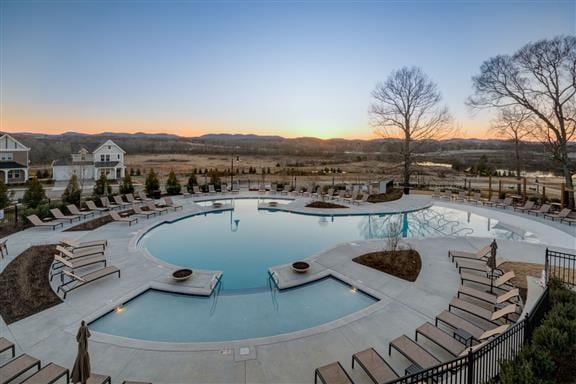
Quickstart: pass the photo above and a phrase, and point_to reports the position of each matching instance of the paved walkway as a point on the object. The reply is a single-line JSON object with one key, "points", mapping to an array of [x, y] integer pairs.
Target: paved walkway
{"points": [[291, 358]]}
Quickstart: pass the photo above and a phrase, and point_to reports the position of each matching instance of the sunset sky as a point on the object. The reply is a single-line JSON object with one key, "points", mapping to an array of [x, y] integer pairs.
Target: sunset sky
{"points": [[293, 68]]}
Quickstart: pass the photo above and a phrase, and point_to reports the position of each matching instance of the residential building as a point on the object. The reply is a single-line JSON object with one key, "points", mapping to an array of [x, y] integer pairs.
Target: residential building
{"points": [[14, 159]]}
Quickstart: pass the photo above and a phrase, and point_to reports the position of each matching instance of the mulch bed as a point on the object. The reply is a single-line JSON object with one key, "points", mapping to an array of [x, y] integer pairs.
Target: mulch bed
{"points": [[395, 194], [324, 204], [405, 263], [90, 225], [24, 286]]}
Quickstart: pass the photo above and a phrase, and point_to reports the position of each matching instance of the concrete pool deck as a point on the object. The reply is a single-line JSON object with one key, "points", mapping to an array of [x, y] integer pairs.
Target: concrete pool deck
{"points": [[403, 306]]}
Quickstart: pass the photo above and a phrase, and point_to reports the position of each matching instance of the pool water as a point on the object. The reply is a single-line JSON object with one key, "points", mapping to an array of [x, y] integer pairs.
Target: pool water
{"points": [[244, 242], [173, 317]]}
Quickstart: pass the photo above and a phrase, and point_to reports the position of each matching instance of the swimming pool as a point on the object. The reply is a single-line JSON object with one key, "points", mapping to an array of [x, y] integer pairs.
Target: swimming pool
{"points": [[233, 315], [244, 242]]}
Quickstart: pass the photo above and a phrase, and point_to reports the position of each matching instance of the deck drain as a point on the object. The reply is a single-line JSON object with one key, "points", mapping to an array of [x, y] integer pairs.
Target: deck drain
{"points": [[244, 351]]}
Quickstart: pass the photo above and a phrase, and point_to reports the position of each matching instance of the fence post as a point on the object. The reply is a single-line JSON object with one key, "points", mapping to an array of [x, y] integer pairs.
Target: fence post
{"points": [[16, 213], [470, 369], [546, 267]]}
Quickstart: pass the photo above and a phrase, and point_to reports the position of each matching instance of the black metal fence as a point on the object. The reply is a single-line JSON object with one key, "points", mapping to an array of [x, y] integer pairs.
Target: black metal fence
{"points": [[482, 363], [561, 266]]}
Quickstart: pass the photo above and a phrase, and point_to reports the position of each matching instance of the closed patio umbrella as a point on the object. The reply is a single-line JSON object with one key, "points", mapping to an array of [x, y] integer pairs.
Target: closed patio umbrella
{"points": [[81, 369], [492, 263]]}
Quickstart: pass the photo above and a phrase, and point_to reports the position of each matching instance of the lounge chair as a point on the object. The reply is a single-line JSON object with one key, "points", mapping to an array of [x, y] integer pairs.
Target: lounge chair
{"points": [[35, 220], [131, 199], [153, 208], [7, 345], [79, 281], [118, 200], [74, 264], [363, 199], [74, 245], [196, 190], [461, 196], [170, 204], [436, 193], [58, 215], [569, 220], [329, 194], [507, 202], [107, 204], [129, 219], [16, 367], [333, 373], [75, 211], [487, 296], [3, 247], [481, 312], [494, 200], [143, 196], [92, 206], [477, 265], [374, 365], [99, 379], [478, 255], [501, 282], [211, 189], [476, 198], [544, 209], [135, 382], [528, 205], [477, 332], [560, 215], [79, 252], [413, 352], [352, 198], [440, 338], [273, 188], [138, 211], [49, 374]]}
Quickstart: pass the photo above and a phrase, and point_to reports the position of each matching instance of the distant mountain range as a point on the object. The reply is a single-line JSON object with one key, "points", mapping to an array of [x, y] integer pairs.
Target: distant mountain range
{"points": [[46, 148]]}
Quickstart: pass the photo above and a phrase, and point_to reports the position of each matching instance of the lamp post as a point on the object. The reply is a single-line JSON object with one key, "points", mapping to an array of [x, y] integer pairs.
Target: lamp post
{"points": [[232, 170]]}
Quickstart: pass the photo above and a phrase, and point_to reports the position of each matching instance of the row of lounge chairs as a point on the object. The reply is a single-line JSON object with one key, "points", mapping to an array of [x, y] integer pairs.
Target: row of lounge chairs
{"points": [[73, 256], [464, 327], [17, 367], [565, 215], [341, 196], [131, 203]]}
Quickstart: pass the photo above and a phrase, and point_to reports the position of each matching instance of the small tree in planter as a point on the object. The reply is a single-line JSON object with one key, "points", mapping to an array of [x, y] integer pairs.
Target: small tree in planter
{"points": [[152, 184], [102, 187], [34, 195], [4, 199], [127, 186], [72, 194], [394, 235], [191, 182], [173, 186]]}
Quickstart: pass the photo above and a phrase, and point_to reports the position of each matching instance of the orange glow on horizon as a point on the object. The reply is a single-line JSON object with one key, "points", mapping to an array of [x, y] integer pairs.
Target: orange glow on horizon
{"points": [[54, 125]]}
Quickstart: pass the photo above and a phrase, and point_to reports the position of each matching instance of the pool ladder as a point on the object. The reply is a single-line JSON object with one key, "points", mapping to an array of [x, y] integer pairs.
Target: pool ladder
{"points": [[273, 285], [215, 287]]}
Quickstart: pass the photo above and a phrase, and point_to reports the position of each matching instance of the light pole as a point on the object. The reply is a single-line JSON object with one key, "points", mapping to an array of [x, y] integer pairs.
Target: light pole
{"points": [[232, 170]]}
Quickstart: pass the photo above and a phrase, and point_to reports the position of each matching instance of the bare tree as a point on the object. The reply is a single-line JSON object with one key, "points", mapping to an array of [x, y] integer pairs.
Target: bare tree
{"points": [[514, 123], [407, 106], [540, 78]]}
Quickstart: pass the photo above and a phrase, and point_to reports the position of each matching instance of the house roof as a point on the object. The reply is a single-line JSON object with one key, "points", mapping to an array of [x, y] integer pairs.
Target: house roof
{"points": [[11, 165], [20, 147], [106, 164], [109, 142]]}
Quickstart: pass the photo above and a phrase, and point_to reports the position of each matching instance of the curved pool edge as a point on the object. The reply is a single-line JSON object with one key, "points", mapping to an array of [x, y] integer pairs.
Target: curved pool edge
{"points": [[121, 341]]}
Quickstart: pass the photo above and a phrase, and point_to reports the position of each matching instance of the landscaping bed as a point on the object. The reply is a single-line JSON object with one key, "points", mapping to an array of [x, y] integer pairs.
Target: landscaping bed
{"points": [[395, 194], [404, 263], [325, 205], [24, 286]]}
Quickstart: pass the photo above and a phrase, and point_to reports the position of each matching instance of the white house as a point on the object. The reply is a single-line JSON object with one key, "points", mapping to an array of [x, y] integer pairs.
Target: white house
{"points": [[107, 159], [14, 159]]}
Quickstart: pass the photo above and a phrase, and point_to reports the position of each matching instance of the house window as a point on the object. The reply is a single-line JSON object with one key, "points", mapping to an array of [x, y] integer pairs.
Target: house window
{"points": [[6, 156], [107, 157], [15, 174], [101, 157]]}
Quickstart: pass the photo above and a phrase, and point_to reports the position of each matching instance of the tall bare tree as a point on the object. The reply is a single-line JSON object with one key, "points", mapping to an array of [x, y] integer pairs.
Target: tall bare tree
{"points": [[541, 78], [407, 106], [514, 123]]}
